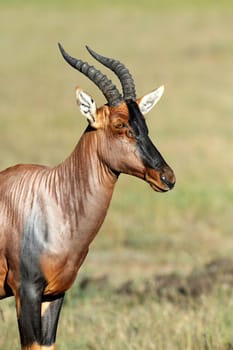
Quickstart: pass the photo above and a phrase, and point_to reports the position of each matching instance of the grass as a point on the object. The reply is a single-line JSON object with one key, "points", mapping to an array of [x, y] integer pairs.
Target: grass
{"points": [[187, 47], [151, 325]]}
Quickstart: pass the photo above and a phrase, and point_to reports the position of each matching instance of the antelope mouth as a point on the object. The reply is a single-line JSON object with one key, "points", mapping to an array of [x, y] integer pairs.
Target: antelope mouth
{"points": [[156, 188], [161, 180], [154, 185]]}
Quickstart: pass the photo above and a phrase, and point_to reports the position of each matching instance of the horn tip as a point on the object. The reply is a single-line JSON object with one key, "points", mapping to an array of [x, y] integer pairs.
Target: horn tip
{"points": [[91, 52], [60, 47]]}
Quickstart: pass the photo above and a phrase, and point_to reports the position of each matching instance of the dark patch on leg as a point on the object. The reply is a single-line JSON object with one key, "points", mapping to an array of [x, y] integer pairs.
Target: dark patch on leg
{"points": [[29, 318], [50, 320], [32, 281]]}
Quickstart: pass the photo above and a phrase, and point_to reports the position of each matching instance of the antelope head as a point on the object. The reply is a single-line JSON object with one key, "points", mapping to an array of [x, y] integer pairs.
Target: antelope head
{"points": [[125, 146]]}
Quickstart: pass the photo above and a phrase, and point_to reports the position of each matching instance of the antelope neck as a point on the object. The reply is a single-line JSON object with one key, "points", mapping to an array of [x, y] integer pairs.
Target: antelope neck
{"points": [[83, 184]]}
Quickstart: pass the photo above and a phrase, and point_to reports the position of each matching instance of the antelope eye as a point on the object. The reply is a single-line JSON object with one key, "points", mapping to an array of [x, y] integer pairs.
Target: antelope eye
{"points": [[120, 125]]}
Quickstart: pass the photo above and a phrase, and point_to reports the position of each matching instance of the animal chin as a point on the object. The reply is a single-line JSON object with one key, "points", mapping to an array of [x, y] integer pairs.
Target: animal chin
{"points": [[156, 188]]}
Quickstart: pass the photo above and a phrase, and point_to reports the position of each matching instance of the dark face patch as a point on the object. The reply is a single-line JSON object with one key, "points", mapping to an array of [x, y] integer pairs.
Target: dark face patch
{"points": [[149, 154]]}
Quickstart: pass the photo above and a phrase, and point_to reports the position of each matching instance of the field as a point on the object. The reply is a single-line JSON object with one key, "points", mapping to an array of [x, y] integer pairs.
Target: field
{"points": [[159, 275]]}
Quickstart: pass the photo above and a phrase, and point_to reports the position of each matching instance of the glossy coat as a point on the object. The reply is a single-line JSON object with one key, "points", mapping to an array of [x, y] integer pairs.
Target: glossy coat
{"points": [[49, 216]]}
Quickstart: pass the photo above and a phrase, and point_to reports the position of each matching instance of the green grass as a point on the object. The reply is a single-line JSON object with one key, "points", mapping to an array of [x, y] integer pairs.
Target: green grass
{"points": [[188, 47], [151, 325]]}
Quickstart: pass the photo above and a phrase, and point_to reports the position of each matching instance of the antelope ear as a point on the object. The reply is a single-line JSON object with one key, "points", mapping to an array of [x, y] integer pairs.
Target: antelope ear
{"points": [[147, 102], [87, 107]]}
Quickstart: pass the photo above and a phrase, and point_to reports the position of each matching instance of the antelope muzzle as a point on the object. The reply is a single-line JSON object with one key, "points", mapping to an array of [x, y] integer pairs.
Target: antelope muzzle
{"points": [[160, 180]]}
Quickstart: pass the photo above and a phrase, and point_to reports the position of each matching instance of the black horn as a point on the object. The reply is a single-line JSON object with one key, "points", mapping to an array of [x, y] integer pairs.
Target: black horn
{"points": [[109, 90], [127, 82]]}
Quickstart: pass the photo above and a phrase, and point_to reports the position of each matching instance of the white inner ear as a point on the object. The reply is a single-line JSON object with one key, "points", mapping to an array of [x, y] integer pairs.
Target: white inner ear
{"points": [[87, 105], [148, 101]]}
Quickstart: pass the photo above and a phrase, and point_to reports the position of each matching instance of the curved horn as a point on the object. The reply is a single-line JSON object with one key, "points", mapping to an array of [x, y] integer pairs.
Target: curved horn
{"points": [[127, 82], [109, 90]]}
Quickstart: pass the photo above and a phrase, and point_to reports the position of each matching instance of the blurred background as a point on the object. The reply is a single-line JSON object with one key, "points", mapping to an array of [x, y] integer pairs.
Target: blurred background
{"points": [[159, 275]]}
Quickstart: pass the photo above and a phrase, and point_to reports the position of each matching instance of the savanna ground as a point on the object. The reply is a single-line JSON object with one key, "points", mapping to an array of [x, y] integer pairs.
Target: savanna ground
{"points": [[150, 280]]}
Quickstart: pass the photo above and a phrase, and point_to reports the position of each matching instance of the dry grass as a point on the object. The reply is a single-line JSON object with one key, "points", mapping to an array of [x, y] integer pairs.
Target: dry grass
{"points": [[189, 49]]}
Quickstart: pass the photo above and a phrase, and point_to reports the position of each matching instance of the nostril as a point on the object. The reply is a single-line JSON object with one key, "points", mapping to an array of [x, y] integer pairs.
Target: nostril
{"points": [[163, 178], [167, 182]]}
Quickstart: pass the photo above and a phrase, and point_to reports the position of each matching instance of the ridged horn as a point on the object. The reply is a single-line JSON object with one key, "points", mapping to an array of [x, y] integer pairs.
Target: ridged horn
{"points": [[126, 79], [109, 90]]}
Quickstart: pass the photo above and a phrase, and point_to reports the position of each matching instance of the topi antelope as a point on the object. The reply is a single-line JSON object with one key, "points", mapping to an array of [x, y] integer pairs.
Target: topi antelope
{"points": [[49, 216]]}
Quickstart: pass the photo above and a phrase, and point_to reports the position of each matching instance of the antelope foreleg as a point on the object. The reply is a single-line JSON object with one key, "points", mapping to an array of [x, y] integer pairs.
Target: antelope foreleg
{"points": [[50, 312], [38, 321], [28, 303]]}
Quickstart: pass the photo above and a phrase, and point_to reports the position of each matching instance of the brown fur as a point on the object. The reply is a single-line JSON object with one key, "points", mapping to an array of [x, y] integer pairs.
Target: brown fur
{"points": [[69, 201]]}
